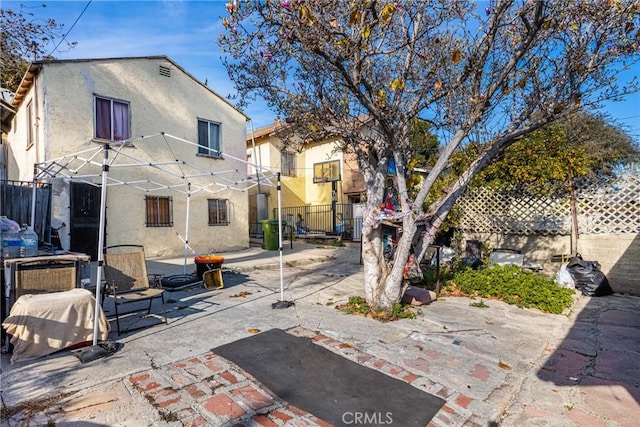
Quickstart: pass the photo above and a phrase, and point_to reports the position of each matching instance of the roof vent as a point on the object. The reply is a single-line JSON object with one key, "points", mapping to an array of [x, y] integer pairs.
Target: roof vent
{"points": [[165, 71]]}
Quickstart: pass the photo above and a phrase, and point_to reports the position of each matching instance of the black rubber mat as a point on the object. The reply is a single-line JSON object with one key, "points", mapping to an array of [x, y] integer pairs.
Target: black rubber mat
{"points": [[326, 384]]}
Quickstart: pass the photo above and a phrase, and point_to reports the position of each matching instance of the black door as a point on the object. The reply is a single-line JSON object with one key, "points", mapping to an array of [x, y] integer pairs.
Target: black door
{"points": [[85, 219]]}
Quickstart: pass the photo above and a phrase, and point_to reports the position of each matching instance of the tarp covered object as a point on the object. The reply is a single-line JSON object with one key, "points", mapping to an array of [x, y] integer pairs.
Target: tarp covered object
{"points": [[44, 323]]}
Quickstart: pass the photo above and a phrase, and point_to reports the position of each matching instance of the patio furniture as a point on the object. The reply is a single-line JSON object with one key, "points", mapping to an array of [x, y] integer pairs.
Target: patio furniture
{"points": [[44, 276], [128, 283]]}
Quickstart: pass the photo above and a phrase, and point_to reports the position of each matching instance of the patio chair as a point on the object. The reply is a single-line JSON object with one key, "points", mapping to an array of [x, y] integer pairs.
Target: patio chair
{"points": [[44, 276], [127, 281]]}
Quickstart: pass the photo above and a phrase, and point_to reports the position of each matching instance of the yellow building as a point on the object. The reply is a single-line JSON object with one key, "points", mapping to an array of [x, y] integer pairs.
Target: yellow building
{"points": [[302, 189]]}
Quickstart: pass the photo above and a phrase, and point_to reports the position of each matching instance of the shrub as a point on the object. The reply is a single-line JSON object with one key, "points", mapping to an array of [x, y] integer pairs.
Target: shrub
{"points": [[516, 286]]}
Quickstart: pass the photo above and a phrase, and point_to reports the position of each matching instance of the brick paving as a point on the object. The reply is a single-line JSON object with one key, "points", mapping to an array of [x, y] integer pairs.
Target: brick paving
{"points": [[209, 390]]}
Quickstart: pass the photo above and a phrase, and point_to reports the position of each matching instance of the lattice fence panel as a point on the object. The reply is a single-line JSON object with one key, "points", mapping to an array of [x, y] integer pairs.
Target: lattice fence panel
{"points": [[609, 205]]}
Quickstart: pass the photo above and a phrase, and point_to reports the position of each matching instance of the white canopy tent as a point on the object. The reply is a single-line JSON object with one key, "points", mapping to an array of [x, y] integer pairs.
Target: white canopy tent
{"points": [[158, 169]]}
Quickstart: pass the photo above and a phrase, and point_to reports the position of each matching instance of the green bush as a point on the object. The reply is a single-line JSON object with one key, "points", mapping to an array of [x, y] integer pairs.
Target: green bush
{"points": [[516, 286]]}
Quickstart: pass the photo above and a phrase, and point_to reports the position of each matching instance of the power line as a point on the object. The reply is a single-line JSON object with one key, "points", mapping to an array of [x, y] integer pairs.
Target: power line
{"points": [[70, 28]]}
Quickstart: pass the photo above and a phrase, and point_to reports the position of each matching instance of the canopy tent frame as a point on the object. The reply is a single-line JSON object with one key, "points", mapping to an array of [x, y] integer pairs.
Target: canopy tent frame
{"points": [[80, 167]]}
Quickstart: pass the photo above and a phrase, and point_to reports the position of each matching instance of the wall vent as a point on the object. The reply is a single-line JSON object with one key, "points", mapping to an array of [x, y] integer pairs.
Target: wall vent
{"points": [[165, 71]]}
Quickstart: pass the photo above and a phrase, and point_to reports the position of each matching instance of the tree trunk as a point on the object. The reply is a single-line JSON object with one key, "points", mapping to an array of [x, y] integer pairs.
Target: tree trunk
{"points": [[383, 279]]}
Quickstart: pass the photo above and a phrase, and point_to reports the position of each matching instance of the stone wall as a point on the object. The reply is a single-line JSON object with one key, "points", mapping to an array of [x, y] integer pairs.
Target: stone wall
{"points": [[618, 254]]}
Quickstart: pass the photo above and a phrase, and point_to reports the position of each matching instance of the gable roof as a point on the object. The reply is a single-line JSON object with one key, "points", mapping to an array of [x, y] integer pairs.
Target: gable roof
{"points": [[35, 67]]}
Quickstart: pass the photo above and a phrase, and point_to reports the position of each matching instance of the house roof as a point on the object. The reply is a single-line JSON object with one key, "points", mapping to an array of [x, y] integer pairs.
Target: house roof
{"points": [[268, 130], [279, 125], [35, 67]]}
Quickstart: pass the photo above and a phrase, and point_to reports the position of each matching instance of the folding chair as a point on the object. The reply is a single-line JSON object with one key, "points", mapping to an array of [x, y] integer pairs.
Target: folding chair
{"points": [[43, 276], [127, 281]]}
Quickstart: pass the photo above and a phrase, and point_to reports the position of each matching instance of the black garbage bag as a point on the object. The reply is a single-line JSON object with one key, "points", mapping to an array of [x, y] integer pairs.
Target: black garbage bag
{"points": [[589, 279]]}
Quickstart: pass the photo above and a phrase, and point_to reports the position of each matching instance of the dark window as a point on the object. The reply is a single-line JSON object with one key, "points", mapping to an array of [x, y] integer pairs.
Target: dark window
{"points": [[112, 119], [218, 212], [208, 138], [30, 123], [159, 211], [288, 163]]}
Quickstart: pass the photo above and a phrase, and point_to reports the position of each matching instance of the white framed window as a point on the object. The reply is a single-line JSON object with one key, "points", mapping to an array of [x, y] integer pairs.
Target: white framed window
{"points": [[218, 211], [209, 138], [111, 119], [287, 163]]}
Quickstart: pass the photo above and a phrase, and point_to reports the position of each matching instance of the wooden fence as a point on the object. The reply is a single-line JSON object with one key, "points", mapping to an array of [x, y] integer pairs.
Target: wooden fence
{"points": [[15, 203]]}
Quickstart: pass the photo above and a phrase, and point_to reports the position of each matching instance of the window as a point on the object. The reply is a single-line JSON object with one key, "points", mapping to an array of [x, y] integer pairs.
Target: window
{"points": [[30, 132], [251, 169], [112, 119], [159, 211], [288, 163], [209, 138], [218, 212]]}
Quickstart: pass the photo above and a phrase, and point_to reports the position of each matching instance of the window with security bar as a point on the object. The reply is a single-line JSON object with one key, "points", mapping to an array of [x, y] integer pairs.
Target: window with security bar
{"points": [[218, 211], [159, 211]]}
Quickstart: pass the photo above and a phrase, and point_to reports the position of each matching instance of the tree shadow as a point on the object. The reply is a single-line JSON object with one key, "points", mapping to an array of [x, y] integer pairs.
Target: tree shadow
{"points": [[600, 354]]}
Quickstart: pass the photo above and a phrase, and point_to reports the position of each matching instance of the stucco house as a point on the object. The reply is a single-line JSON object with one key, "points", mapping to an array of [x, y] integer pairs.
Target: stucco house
{"points": [[298, 169], [66, 106]]}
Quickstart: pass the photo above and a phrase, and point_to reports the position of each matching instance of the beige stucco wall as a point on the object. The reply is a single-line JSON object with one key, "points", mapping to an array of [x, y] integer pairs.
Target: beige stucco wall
{"points": [[157, 104], [316, 153], [20, 156], [618, 254]]}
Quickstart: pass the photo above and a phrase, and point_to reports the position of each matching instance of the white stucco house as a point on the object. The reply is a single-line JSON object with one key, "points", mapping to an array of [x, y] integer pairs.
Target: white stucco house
{"points": [[67, 106]]}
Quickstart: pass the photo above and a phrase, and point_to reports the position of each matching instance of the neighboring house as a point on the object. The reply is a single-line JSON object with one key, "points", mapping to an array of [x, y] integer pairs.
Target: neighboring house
{"points": [[66, 106], [266, 149]]}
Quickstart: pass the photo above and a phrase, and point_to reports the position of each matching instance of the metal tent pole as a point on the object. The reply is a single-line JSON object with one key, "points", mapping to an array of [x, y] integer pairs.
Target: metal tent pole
{"points": [[186, 231], [34, 197], [281, 303], [103, 214]]}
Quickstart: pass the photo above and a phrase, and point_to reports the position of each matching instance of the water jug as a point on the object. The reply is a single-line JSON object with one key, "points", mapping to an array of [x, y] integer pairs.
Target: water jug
{"points": [[11, 244], [29, 243]]}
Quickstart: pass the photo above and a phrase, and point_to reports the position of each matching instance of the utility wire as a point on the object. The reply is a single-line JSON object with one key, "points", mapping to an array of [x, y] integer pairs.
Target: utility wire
{"points": [[70, 28]]}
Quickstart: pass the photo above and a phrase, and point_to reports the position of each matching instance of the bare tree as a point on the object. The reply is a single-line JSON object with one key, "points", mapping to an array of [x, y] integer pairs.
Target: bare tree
{"points": [[23, 39], [365, 70]]}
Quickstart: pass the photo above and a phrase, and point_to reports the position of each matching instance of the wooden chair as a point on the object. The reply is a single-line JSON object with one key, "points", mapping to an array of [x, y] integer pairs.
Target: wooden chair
{"points": [[127, 281], [43, 276]]}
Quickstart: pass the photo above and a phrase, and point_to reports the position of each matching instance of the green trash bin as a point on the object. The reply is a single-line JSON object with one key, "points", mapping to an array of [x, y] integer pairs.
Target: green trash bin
{"points": [[270, 233]]}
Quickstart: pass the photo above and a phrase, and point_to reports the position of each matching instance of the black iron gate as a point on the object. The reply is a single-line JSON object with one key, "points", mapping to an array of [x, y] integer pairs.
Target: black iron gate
{"points": [[85, 219]]}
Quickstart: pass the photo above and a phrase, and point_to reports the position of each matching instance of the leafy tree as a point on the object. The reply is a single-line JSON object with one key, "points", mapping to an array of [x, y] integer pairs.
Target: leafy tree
{"points": [[23, 39], [544, 161], [365, 70]]}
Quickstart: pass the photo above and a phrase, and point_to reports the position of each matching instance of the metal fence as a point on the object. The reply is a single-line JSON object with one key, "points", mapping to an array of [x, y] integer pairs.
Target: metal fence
{"points": [[322, 219]]}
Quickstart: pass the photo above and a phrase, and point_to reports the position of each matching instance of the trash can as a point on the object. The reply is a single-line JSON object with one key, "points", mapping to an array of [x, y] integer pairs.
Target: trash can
{"points": [[270, 233], [205, 263]]}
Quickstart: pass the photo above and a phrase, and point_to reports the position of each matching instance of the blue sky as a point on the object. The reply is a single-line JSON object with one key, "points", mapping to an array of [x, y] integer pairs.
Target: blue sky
{"points": [[186, 31]]}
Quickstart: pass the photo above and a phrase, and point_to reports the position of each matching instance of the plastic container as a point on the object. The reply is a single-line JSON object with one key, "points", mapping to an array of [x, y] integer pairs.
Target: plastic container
{"points": [[28, 243], [205, 263], [11, 244], [270, 233]]}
